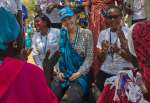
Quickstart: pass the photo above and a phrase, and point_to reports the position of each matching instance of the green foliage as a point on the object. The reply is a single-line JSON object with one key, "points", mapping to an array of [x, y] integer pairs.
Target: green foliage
{"points": [[31, 9]]}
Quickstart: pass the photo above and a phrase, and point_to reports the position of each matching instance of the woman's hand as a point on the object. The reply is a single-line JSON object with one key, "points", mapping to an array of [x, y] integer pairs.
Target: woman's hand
{"points": [[46, 60], [75, 76], [122, 38], [61, 76], [105, 46], [115, 48]]}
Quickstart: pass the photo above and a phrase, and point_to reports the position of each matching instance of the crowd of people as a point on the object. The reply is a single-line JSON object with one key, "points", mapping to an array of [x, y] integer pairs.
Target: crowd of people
{"points": [[94, 51]]}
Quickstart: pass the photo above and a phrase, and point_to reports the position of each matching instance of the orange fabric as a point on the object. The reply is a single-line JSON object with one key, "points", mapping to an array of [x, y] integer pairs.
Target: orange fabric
{"points": [[96, 24]]}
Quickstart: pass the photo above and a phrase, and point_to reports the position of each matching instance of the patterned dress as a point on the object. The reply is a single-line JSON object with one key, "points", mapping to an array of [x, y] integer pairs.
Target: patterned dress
{"points": [[96, 24], [141, 41]]}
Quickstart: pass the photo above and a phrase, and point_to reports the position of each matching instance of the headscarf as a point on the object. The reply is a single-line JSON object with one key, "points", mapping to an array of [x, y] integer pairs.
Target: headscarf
{"points": [[9, 28]]}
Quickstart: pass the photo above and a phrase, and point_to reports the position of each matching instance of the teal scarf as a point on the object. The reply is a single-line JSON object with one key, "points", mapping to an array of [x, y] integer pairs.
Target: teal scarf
{"points": [[70, 62]]}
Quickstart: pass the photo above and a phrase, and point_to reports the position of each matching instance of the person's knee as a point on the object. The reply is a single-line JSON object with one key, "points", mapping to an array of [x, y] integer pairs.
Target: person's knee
{"points": [[75, 94]]}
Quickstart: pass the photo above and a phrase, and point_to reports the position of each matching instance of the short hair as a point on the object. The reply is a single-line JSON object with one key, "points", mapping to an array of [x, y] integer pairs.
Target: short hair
{"points": [[43, 18], [114, 7]]}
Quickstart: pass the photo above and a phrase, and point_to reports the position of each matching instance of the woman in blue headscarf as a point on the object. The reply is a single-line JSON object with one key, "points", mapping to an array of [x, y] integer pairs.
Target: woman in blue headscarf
{"points": [[76, 48]]}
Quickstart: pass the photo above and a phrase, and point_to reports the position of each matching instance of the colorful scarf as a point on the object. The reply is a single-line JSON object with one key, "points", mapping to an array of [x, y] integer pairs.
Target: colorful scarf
{"points": [[70, 62]]}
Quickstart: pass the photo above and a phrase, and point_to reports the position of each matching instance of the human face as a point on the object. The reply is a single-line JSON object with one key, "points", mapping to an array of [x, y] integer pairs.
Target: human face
{"points": [[114, 18], [36, 24], [40, 24], [69, 22]]}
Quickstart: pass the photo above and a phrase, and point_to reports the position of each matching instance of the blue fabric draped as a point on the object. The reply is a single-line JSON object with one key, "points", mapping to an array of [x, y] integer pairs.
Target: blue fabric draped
{"points": [[70, 62]]}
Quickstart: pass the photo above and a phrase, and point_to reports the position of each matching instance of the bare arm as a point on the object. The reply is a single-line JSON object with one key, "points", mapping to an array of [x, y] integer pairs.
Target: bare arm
{"points": [[124, 51]]}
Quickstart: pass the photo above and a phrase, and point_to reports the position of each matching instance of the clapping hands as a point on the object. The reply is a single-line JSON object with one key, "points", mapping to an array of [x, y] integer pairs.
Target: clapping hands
{"points": [[105, 46]]}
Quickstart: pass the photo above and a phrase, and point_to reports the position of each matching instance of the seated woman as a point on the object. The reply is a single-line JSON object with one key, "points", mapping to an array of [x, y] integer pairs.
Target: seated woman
{"points": [[76, 54], [128, 86], [20, 82], [113, 47], [46, 39]]}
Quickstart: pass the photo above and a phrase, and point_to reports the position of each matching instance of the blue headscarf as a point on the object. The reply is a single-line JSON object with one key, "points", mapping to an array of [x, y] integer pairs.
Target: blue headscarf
{"points": [[9, 28], [65, 12]]}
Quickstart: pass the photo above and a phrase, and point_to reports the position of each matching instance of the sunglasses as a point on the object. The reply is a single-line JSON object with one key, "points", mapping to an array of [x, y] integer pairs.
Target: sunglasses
{"points": [[113, 17]]}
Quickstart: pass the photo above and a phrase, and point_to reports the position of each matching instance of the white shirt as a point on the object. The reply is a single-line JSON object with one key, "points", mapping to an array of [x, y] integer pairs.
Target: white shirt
{"points": [[11, 5], [41, 44], [138, 10], [112, 66]]}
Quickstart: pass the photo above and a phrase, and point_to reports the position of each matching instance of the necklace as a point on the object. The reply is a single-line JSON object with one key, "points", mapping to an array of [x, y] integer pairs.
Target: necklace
{"points": [[76, 36], [44, 41], [112, 45]]}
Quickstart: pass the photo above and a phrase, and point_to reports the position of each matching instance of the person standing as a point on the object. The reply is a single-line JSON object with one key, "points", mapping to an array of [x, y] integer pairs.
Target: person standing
{"points": [[96, 24], [50, 8], [138, 11], [138, 40]]}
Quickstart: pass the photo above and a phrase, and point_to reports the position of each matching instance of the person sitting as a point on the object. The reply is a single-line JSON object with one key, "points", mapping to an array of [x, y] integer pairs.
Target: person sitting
{"points": [[112, 47], [76, 55], [46, 39], [132, 85], [20, 82]]}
